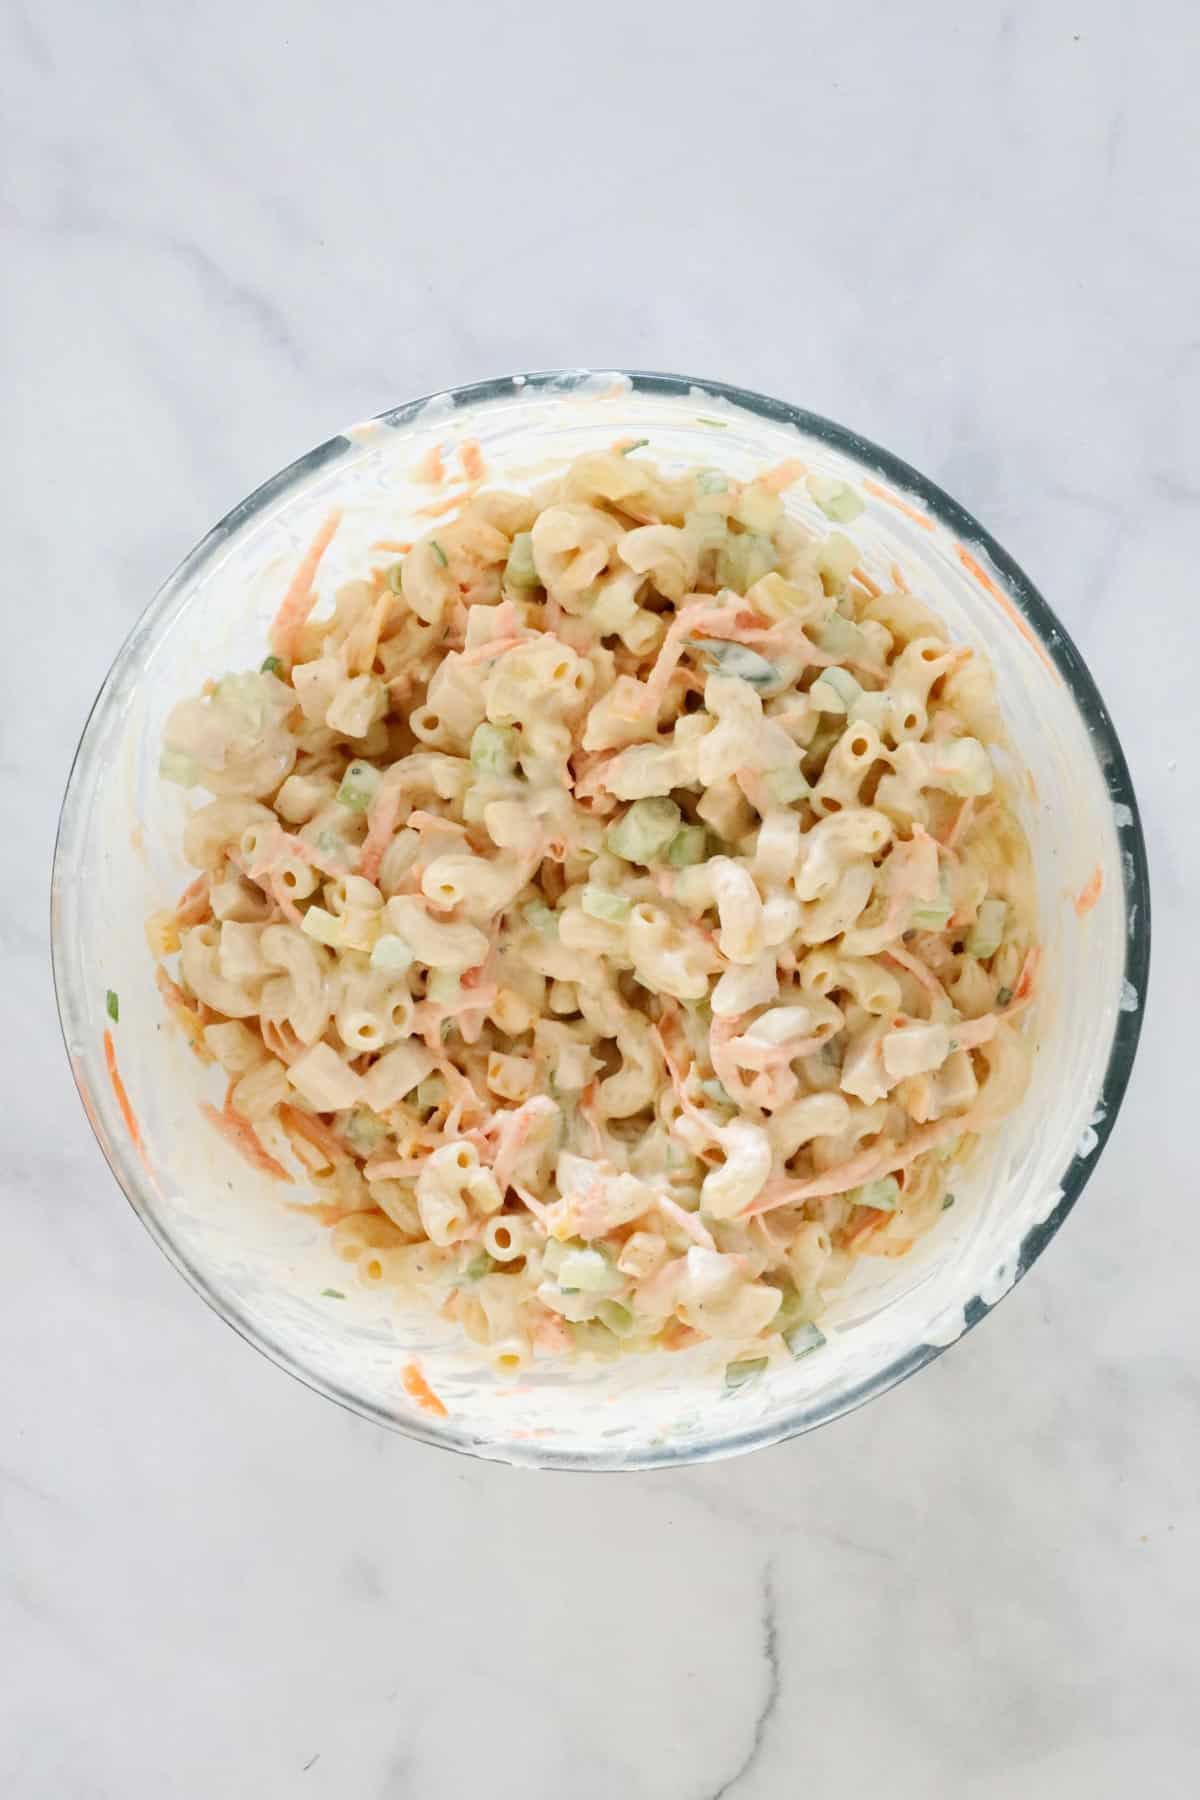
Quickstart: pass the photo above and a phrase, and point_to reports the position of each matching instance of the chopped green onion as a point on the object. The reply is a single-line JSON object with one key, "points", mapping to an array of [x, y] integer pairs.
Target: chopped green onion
{"points": [[617, 1318], [711, 481], [431, 1091], [802, 1340], [739, 660], [987, 933], [183, 770], [481, 1264], [883, 1195], [835, 690], [543, 918], [112, 1006], [637, 444], [439, 555], [1003, 996], [745, 559], [391, 952], [270, 665], [947, 1202], [836, 499], [395, 577], [597, 903], [332, 1294], [688, 847], [358, 787], [520, 570], [749, 1368], [644, 832], [493, 749], [324, 926]]}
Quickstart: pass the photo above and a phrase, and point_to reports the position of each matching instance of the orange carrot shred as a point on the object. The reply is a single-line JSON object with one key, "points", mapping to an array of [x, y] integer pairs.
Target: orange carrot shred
{"points": [[910, 512], [118, 1088], [416, 1385], [299, 600], [430, 470], [472, 459], [1011, 612], [1090, 892]]}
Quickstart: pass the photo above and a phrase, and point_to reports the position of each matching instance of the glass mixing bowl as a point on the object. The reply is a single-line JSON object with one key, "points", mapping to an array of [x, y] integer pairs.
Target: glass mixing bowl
{"points": [[264, 1266]]}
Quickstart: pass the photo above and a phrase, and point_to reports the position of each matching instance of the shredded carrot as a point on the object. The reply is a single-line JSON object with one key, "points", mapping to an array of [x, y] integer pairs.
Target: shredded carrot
{"points": [[416, 1385], [192, 906], [448, 502], [781, 476], [898, 579], [400, 548], [299, 600], [239, 1132], [471, 457], [910, 512], [186, 1017], [324, 1214], [306, 1126], [118, 1088], [864, 580], [430, 470], [1090, 892], [1010, 611]]}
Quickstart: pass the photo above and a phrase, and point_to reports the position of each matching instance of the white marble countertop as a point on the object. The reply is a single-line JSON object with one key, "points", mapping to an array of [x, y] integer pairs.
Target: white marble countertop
{"points": [[968, 231]]}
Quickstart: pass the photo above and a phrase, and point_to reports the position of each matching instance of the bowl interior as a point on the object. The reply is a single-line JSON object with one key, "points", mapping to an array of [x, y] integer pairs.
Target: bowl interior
{"points": [[266, 1267]]}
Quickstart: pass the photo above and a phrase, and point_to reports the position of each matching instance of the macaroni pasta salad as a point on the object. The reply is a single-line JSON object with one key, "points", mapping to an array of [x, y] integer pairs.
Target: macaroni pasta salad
{"points": [[611, 908]]}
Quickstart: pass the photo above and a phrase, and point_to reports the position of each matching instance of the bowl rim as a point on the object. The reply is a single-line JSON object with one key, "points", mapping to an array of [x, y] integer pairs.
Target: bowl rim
{"points": [[1053, 638]]}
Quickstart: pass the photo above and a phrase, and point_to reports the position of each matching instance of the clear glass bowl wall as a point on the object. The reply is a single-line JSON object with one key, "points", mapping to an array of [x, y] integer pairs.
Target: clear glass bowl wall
{"points": [[262, 1265]]}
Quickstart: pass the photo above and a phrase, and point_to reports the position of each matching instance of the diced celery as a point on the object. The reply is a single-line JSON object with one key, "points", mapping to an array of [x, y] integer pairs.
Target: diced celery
{"points": [[364, 1131], [744, 559], [333, 847], [443, 986], [542, 917], [183, 770], [837, 636], [786, 786], [324, 926], [791, 1310], [494, 749], [617, 1318], [802, 1340], [747, 1368], [395, 577], [688, 846], [481, 1264], [739, 660], [332, 1294], [932, 915], [987, 933], [644, 832], [883, 1195], [431, 1091], [358, 787], [711, 481], [1003, 996], [599, 904], [391, 952], [519, 570], [439, 555], [270, 665], [835, 499], [587, 1271], [112, 1006], [835, 690]]}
